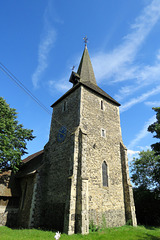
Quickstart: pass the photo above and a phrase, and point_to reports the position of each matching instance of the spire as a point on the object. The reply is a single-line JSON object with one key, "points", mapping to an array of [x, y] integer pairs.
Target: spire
{"points": [[85, 69], [85, 76], [85, 72]]}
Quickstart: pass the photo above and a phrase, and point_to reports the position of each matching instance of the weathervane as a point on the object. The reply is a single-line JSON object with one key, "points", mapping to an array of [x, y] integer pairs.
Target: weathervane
{"points": [[85, 40]]}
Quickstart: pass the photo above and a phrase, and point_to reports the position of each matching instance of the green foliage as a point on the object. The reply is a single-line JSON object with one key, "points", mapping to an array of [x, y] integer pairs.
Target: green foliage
{"points": [[155, 128], [121, 233], [146, 177], [129, 222], [13, 138], [93, 227], [147, 205], [146, 170]]}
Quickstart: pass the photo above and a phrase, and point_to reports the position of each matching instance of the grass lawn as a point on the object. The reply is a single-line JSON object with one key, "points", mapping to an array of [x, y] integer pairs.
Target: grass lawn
{"points": [[121, 233]]}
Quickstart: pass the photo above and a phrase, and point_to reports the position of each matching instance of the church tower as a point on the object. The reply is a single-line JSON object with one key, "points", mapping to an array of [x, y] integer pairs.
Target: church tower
{"points": [[85, 176]]}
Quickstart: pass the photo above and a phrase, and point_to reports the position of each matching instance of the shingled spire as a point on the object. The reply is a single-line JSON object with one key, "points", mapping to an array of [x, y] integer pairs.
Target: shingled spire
{"points": [[85, 76], [85, 69]]}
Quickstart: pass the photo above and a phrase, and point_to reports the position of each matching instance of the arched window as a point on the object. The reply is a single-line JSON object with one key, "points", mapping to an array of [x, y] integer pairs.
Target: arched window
{"points": [[105, 174]]}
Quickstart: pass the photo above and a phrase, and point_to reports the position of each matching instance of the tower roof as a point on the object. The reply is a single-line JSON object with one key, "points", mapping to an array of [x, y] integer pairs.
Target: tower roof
{"points": [[85, 76], [85, 69]]}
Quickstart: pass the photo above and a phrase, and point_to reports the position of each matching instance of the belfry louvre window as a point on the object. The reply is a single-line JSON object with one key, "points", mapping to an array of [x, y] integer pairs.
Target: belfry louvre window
{"points": [[105, 174], [102, 105], [64, 106]]}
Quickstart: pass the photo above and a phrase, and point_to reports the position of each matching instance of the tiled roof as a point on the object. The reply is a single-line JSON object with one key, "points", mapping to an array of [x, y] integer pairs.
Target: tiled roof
{"points": [[31, 164], [27, 159], [91, 86]]}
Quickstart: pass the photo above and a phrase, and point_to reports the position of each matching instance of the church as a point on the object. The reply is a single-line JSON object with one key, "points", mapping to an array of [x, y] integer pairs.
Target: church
{"points": [[81, 176]]}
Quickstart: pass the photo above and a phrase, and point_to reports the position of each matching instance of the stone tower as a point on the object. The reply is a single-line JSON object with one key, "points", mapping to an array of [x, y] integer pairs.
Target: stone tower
{"points": [[85, 174]]}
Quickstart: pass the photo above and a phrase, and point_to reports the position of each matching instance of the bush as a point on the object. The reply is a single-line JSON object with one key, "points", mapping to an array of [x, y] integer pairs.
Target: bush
{"points": [[147, 204], [93, 227]]}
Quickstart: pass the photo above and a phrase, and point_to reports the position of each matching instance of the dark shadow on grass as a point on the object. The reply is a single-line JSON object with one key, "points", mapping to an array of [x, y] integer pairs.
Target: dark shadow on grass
{"points": [[149, 237], [152, 237], [150, 227]]}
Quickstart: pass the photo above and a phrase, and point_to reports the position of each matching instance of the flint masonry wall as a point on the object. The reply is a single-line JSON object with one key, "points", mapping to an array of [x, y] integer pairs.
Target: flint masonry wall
{"points": [[27, 187], [104, 202], [71, 178], [60, 163]]}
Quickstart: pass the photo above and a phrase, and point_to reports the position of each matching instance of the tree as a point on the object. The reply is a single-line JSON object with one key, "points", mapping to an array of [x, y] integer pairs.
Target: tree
{"points": [[146, 178], [155, 128], [146, 170], [13, 138], [147, 204]]}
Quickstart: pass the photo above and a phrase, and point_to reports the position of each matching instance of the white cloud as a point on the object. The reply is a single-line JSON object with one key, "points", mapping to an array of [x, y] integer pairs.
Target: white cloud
{"points": [[126, 91], [61, 85], [135, 153], [44, 48], [116, 63], [149, 74], [139, 99], [119, 65], [158, 55], [142, 77], [143, 133], [144, 148], [45, 45], [132, 154], [153, 103]]}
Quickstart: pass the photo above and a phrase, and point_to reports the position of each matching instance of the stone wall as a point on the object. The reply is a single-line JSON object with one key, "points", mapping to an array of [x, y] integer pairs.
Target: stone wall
{"points": [[25, 206], [70, 182], [36, 213], [104, 202], [9, 199], [128, 192], [8, 216], [60, 167]]}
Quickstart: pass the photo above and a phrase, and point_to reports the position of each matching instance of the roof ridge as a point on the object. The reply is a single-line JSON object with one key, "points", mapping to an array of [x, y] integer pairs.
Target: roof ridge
{"points": [[30, 157]]}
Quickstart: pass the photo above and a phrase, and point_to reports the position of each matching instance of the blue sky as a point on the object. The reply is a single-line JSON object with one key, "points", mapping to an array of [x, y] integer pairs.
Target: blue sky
{"points": [[41, 41]]}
